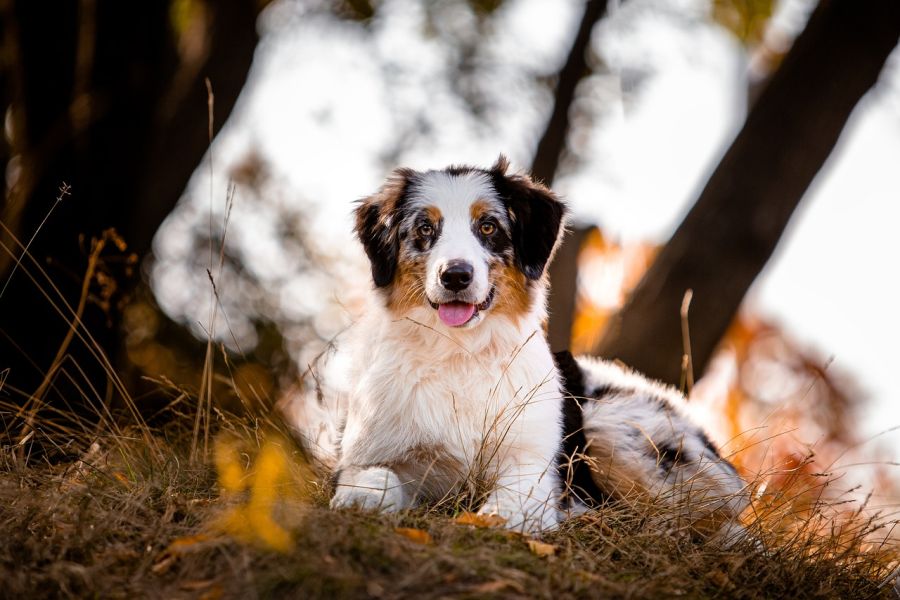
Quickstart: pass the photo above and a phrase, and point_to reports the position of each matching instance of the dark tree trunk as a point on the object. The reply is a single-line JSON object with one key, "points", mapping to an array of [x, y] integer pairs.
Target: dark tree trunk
{"points": [[550, 149], [553, 141], [732, 230], [101, 100], [564, 293]]}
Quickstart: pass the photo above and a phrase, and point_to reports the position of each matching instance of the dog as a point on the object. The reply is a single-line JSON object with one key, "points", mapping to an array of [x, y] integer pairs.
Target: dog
{"points": [[447, 384]]}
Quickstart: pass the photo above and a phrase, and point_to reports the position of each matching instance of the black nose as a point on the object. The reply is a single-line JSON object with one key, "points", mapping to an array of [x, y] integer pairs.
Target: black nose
{"points": [[457, 275]]}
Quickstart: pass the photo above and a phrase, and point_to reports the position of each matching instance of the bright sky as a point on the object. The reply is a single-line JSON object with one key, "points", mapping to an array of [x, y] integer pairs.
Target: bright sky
{"points": [[327, 105]]}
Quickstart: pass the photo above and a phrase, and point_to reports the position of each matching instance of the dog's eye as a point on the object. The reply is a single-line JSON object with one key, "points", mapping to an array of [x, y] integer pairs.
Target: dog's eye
{"points": [[488, 228], [426, 230]]}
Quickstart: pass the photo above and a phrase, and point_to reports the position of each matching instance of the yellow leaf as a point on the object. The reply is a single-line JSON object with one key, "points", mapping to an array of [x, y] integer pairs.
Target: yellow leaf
{"points": [[479, 520], [416, 535], [541, 549], [228, 465], [121, 478]]}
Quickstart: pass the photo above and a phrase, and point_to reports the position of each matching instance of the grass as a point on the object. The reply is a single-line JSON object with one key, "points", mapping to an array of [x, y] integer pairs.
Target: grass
{"points": [[127, 520]]}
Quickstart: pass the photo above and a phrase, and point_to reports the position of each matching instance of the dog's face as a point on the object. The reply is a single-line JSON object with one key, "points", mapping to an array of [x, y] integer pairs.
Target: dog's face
{"points": [[463, 242]]}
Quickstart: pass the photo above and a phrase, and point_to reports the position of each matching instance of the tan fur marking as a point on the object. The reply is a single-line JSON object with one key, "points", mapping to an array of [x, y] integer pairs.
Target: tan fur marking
{"points": [[478, 209], [386, 198], [408, 288], [434, 213], [513, 297]]}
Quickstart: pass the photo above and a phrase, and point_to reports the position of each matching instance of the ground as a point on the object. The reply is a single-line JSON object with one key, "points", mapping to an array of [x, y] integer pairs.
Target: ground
{"points": [[136, 516]]}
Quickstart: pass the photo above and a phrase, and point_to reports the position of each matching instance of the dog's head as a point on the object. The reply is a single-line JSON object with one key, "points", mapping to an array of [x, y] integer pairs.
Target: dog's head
{"points": [[463, 242]]}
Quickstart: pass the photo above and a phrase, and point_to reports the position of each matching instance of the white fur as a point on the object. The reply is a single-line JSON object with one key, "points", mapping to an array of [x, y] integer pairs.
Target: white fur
{"points": [[433, 403], [453, 195]]}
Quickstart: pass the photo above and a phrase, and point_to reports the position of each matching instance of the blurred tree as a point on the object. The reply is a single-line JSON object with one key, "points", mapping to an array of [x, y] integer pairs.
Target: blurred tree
{"points": [[108, 98], [732, 230], [550, 149]]}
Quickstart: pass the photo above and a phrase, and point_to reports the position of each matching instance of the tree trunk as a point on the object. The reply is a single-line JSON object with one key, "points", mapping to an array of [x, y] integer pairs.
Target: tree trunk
{"points": [[549, 150], [101, 100], [564, 293], [732, 230]]}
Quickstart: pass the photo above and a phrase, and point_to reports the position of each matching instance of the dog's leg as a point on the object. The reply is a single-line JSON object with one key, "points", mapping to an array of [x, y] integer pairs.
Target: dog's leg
{"points": [[370, 488], [525, 494]]}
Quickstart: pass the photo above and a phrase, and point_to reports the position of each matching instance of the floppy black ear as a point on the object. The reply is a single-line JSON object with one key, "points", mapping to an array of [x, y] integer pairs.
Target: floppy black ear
{"points": [[377, 223], [537, 217]]}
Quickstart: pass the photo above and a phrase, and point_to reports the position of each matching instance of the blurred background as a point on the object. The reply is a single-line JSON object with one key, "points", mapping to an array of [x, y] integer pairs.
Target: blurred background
{"points": [[182, 173]]}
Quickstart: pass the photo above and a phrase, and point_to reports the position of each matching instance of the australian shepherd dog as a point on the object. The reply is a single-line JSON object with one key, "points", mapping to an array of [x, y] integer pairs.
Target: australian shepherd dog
{"points": [[447, 385]]}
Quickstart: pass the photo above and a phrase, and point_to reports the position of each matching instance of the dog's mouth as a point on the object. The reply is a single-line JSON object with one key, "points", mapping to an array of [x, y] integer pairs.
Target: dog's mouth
{"points": [[457, 314]]}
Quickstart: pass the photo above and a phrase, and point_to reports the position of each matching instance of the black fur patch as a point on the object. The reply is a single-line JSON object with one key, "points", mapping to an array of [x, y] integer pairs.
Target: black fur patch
{"points": [[498, 243], [380, 241], [572, 375], [420, 242], [708, 443], [536, 214], [574, 472], [666, 456], [456, 170]]}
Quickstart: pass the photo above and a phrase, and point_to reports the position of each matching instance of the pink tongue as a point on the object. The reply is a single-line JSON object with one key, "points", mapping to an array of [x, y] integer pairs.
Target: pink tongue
{"points": [[455, 314]]}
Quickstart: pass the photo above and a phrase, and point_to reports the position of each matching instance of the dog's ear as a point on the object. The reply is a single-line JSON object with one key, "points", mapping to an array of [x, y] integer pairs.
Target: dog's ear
{"points": [[537, 217], [377, 225]]}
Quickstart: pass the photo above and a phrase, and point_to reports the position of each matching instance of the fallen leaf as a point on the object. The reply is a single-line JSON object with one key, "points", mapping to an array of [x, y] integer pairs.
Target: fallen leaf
{"points": [[479, 520], [178, 546], [163, 564], [183, 544], [541, 549], [374, 589], [416, 535], [121, 478], [213, 593], [197, 585], [498, 585], [720, 578], [587, 576]]}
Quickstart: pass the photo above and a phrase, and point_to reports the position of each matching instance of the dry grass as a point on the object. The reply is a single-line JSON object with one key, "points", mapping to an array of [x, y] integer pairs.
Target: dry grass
{"points": [[124, 520]]}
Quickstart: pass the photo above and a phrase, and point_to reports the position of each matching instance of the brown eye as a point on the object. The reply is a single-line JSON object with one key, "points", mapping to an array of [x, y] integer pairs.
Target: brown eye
{"points": [[426, 230], [488, 228]]}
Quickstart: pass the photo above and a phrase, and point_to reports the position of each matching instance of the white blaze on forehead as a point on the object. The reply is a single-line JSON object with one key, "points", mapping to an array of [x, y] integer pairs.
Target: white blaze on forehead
{"points": [[454, 196]]}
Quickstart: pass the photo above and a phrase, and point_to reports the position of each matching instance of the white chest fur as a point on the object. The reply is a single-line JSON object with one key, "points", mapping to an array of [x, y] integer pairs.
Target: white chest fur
{"points": [[438, 408]]}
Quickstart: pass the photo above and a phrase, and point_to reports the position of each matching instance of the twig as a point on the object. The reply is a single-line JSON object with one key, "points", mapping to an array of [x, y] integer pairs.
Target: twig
{"points": [[64, 190], [687, 361]]}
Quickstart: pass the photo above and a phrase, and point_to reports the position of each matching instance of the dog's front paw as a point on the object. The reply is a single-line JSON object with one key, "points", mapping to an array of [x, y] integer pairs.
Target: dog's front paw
{"points": [[374, 488]]}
